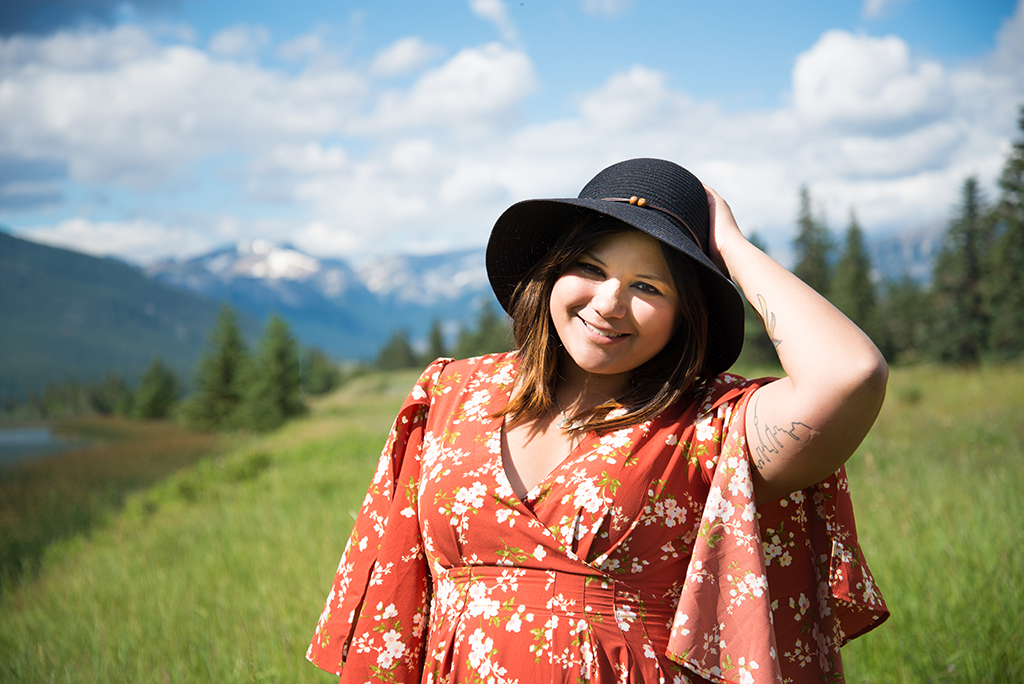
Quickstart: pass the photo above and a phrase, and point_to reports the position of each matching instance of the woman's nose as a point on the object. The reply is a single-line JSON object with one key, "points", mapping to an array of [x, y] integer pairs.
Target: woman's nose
{"points": [[609, 299]]}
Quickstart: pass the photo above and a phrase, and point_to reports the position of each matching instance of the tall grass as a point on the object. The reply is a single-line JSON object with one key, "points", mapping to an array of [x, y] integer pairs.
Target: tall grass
{"points": [[219, 573], [48, 498], [939, 492]]}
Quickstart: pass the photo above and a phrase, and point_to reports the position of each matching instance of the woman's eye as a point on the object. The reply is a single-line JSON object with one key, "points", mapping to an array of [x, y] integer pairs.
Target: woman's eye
{"points": [[647, 288], [590, 269]]}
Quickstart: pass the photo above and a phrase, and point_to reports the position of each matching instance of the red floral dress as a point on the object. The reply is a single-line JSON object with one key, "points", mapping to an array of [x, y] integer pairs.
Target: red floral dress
{"points": [[640, 558]]}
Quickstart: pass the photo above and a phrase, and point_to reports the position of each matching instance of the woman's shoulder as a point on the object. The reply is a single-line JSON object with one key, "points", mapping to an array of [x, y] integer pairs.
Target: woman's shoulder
{"points": [[725, 388], [445, 374]]}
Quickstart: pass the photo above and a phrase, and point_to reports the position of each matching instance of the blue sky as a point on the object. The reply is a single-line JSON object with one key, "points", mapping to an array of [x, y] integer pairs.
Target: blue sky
{"points": [[167, 128]]}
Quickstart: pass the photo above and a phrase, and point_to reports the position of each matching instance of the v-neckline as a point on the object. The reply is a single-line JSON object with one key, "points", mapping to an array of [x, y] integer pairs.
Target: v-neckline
{"points": [[529, 497]]}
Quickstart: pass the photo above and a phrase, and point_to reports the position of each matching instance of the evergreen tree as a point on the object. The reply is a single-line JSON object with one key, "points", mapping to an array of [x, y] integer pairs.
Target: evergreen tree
{"points": [[158, 392], [272, 391], [436, 346], [111, 396], [397, 353], [905, 317], [961, 326], [320, 375], [1006, 279], [758, 346], [852, 290], [813, 246], [492, 334], [218, 390]]}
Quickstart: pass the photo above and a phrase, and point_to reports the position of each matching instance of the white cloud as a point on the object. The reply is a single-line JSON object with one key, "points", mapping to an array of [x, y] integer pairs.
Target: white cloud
{"points": [[607, 8], [241, 41], [404, 56], [874, 9], [859, 82], [496, 12], [472, 91], [139, 240], [365, 168], [134, 112]]}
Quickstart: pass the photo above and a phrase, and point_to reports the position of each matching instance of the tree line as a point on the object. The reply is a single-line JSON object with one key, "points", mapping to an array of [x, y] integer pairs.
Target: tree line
{"points": [[971, 309], [234, 388]]}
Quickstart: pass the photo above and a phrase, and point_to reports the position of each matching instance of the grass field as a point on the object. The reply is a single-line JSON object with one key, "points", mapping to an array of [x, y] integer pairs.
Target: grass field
{"points": [[218, 573]]}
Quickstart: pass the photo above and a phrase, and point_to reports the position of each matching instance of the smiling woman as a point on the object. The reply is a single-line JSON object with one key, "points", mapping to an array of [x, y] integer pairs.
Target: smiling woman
{"points": [[601, 505]]}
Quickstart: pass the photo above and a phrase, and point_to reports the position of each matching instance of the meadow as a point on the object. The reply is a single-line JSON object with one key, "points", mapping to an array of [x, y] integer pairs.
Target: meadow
{"points": [[218, 573]]}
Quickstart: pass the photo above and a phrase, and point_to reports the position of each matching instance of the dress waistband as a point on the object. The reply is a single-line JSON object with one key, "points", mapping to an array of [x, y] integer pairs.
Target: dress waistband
{"points": [[561, 593]]}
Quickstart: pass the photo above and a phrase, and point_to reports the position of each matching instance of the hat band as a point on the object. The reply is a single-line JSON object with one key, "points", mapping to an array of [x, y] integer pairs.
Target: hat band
{"points": [[641, 202]]}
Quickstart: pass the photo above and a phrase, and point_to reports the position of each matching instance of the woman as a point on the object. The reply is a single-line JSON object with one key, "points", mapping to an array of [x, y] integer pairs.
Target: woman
{"points": [[584, 509]]}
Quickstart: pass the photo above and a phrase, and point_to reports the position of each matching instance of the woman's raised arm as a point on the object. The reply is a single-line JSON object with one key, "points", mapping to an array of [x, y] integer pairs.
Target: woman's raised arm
{"points": [[801, 428]]}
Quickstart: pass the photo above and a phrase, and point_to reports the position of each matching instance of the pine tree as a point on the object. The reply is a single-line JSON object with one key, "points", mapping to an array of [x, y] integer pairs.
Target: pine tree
{"points": [[320, 375], [397, 353], [852, 290], [436, 346], [158, 392], [491, 335], [218, 390], [813, 246], [272, 391], [758, 346], [905, 316], [961, 326], [1006, 270]]}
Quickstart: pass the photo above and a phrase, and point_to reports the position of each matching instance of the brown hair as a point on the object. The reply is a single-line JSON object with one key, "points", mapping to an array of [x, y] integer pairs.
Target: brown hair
{"points": [[653, 386]]}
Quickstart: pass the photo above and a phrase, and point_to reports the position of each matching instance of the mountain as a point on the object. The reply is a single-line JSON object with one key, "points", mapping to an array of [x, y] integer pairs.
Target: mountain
{"points": [[910, 252], [67, 315], [347, 311]]}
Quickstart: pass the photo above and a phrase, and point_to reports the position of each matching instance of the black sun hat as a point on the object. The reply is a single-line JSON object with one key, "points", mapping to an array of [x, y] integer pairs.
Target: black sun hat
{"points": [[655, 196]]}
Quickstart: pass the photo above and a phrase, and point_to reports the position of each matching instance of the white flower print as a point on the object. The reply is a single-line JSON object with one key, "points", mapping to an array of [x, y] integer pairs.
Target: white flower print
{"points": [[480, 648], [717, 507], [469, 498], [625, 616], [705, 430]]}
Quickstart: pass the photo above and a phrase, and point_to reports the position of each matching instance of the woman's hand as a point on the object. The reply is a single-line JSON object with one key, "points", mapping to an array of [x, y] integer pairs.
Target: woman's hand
{"points": [[724, 231]]}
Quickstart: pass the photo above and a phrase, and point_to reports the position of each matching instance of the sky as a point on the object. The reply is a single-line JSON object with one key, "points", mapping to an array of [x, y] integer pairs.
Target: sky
{"points": [[167, 128]]}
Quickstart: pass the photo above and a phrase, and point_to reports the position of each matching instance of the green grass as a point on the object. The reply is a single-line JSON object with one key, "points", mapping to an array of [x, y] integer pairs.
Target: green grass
{"points": [[939, 491], [218, 574]]}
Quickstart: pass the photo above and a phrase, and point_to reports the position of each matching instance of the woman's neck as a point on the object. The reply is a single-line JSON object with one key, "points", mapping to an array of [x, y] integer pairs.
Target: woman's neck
{"points": [[578, 391]]}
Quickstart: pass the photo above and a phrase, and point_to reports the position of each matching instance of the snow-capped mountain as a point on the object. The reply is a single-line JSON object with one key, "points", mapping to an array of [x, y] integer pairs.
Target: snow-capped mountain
{"points": [[347, 311]]}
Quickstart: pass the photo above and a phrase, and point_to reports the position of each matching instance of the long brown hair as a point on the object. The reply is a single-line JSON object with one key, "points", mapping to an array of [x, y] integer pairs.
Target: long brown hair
{"points": [[653, 386]]}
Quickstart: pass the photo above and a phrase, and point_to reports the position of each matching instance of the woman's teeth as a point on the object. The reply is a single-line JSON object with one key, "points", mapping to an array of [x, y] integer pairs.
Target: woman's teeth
{"points": [[603, 333]]}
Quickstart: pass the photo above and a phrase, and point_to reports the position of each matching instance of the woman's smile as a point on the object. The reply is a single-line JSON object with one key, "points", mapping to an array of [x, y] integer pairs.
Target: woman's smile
{"points": [[616, 306]]}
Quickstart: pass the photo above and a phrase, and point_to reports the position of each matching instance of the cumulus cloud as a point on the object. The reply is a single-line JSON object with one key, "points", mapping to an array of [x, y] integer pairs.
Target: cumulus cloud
{"points": [[852, 81], [475, 89], [138, 240], [496, 12], [134, 112], [241, 41], [367, 165], [404, 56]]}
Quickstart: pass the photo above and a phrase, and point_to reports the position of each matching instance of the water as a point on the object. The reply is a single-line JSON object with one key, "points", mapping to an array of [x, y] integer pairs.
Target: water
{"points": [[18, 444]]}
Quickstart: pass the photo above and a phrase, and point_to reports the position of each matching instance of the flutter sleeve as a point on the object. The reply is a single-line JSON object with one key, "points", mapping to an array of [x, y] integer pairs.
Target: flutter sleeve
{"points": [[374, 624], [771, 592]]}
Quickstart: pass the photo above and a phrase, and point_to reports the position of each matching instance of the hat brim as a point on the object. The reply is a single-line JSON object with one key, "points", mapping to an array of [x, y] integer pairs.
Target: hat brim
{"points": [[525, 232]]}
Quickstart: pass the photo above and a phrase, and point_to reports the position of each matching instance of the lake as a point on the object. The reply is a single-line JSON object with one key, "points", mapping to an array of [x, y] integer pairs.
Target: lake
{"points": [[20, 443]]}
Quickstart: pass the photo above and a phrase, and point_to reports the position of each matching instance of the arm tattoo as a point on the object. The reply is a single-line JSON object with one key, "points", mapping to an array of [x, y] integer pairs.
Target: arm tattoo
{"points": [[768, 318], [769, 438]]}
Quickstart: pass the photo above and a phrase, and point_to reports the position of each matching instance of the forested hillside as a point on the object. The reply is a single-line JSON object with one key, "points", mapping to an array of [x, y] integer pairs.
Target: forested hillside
{"points": [[65, 314]]}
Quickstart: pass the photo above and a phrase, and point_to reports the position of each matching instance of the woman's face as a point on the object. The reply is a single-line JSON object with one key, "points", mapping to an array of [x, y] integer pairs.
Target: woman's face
{"points": [[616, 306]]}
